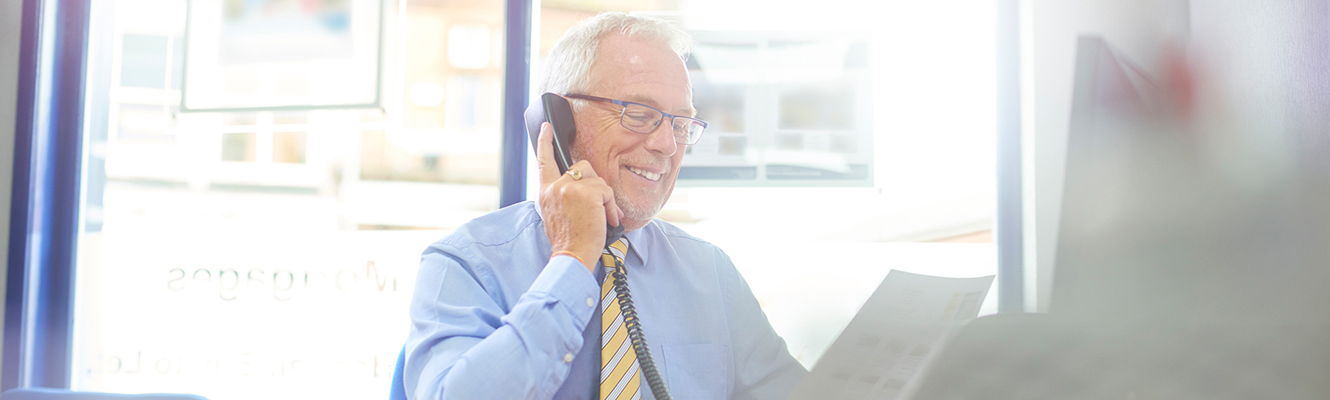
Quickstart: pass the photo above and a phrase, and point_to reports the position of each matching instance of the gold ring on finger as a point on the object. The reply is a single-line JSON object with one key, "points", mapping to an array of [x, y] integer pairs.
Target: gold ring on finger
{"points": [[575, 174]]}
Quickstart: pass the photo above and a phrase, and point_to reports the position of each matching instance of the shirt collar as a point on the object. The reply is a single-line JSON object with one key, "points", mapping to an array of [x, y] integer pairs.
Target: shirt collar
{"points": [[639, 240]]}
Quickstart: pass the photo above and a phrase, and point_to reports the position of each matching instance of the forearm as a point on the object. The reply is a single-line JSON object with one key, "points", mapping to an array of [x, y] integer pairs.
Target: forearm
{"points": [[464, 346]]}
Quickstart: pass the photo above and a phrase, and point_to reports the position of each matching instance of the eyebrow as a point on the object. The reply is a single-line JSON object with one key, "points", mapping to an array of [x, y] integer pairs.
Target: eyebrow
{"points": [[684, 112]]}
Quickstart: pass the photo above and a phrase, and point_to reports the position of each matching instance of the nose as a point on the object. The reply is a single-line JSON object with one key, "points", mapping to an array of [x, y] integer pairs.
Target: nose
{"points": [[661, 140]]}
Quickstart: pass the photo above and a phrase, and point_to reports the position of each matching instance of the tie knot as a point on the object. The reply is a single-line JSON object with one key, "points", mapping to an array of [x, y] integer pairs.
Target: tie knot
{"points": [[617, 250], [621, 245]]}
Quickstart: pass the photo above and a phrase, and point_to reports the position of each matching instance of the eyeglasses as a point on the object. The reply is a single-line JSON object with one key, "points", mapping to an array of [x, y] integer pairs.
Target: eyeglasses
{"points": [[641, 118]]}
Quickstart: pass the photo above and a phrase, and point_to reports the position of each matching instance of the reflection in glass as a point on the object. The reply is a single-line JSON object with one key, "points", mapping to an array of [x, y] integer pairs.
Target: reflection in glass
{"points": [[817, 107], [469, 46], [722, 106], [790, 141], [288, 147], [463, 109], [265, 254], [381, 160], [143, 63], [733, 145], [239, 147], [843, 143], [138, 121]]}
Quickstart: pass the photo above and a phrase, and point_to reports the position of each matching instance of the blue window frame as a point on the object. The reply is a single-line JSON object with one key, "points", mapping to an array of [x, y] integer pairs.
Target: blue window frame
{"points": [[44, 210], [516, 81]]}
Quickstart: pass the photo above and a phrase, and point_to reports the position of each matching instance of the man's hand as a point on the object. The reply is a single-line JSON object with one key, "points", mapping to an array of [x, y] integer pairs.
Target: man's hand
{"points": [[575, 210]]}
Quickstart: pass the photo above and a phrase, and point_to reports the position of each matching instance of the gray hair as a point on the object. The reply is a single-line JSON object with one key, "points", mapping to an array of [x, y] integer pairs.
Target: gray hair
{"points": [[567, 70]]}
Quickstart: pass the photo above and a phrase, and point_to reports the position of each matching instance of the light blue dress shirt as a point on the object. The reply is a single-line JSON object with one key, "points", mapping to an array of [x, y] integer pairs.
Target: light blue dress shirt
{"points": [[494, 317]]}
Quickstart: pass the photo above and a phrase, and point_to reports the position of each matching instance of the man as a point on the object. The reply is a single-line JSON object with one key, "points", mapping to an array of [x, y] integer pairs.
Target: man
{"points": [[517, 304]]}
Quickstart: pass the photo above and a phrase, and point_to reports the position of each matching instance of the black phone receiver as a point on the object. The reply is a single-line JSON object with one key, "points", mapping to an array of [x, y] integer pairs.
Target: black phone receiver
{"points": [[555, 109]]}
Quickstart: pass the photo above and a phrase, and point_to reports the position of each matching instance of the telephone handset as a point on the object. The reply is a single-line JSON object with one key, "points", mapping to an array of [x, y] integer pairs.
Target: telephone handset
{"points": [[559, 113], [555, 109]]}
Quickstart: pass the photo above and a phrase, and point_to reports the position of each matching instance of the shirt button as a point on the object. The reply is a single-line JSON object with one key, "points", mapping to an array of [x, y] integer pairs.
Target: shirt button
{"points": [[568, 357], [590, 302]]}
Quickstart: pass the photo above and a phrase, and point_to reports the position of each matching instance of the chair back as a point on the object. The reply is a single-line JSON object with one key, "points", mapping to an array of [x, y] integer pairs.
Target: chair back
{"points": [[398, 391]]}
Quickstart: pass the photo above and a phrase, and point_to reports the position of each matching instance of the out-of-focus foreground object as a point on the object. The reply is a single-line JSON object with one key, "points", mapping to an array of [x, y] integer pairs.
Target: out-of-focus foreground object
{"points": [[1178, 215], [1040, 356], [1192, 260]]}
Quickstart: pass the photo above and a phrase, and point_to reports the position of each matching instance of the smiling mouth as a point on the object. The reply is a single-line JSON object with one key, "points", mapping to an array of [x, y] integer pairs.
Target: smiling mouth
{"points": [[651, 176]]}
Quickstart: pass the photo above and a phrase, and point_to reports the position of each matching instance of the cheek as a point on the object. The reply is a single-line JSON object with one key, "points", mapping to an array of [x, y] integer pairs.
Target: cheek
{"points": [[584, 145], [581, 144], [677, 159], [591, 130], [606, 123], [592, 146]]}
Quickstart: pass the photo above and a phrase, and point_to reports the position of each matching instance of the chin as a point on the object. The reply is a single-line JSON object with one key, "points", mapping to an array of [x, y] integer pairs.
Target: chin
{"points": [[642, 213], [636, 211]]}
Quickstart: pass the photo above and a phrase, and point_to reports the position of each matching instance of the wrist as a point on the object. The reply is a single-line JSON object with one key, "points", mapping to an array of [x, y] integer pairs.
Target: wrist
{"points": [[580, 259]]}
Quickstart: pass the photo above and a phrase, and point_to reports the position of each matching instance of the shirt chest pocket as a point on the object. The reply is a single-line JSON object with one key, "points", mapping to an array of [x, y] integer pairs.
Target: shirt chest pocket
{"points": [[696, 371]]}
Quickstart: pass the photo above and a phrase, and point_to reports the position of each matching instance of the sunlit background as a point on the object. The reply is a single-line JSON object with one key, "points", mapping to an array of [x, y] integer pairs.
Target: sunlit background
{"points": [[253, 217]]}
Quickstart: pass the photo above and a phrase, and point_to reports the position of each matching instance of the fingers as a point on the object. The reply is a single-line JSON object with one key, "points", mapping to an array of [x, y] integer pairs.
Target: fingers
{"points": [[612, 212], [575, 211], [584, 167], [549, 171], [592, 180]]}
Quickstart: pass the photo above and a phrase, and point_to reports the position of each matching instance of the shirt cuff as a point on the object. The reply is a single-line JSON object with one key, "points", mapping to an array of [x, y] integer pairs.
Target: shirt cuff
{"points": [[566, 284], [568, 292], [568, 280]]}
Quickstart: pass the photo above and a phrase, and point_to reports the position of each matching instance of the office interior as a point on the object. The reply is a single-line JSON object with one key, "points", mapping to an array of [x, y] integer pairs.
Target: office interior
{"points": [[193, 210]]}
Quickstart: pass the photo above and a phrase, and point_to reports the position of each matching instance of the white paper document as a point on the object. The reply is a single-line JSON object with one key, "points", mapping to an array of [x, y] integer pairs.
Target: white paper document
{"points": [[885, 344]]}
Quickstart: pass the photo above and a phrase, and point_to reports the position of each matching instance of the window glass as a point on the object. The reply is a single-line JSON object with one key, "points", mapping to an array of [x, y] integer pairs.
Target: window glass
{"points": [[268, 251]]}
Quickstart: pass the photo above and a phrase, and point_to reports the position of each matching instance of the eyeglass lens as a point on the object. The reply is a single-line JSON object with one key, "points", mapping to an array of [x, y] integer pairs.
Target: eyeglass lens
{"points": [[642, 119]]}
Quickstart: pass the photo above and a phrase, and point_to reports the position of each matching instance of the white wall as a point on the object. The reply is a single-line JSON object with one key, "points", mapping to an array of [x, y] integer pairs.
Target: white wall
{"points": [[11, 13], [1137, 28]]}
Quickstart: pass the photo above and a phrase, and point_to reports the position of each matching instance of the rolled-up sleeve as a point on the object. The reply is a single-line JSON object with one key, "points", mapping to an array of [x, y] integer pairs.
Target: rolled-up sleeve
{"points": [[464, 345]]}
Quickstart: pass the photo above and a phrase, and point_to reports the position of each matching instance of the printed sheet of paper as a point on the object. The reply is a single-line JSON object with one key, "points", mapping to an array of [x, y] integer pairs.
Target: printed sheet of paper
{"points": [[885, 344]]}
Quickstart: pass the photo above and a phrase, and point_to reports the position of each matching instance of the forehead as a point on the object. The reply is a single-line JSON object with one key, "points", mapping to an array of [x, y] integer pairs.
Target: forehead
{"points": [[641, 70]]}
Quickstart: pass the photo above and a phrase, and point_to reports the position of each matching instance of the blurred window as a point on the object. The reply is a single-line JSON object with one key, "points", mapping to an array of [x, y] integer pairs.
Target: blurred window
{"points": [[144, 61], [240, 146], [269, 253], [469, 46], [820, 108], [288, 147]]}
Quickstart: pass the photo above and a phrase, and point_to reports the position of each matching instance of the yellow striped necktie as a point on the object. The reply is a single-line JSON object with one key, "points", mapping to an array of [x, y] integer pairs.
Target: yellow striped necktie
{"points": [[619, 375]]}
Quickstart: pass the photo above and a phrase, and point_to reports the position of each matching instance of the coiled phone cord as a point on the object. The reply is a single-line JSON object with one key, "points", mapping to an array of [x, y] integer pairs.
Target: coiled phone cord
{"points": [[635, 335]]}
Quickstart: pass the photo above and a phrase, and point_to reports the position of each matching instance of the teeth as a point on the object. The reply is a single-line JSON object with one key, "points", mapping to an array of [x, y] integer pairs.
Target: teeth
{"points": [[645, 174]]}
